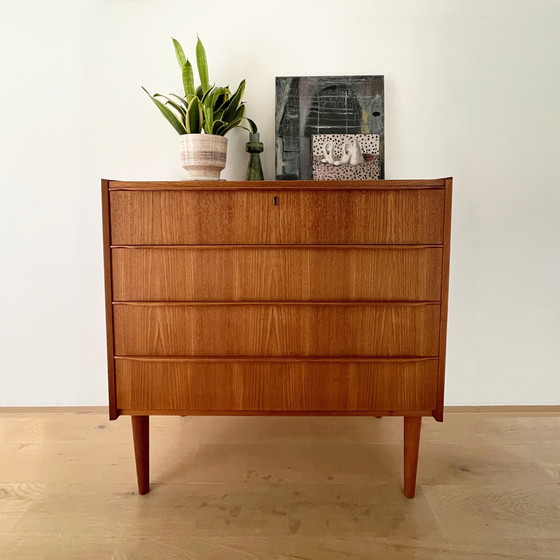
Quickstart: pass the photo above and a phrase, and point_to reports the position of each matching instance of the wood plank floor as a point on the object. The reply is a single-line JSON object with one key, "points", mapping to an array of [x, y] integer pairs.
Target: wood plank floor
{"points": [[279, 488]]}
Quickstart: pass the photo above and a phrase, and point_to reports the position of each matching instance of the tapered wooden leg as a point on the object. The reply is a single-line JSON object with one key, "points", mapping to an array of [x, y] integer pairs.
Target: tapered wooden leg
{"points": [[412, 426], [141, 436]]}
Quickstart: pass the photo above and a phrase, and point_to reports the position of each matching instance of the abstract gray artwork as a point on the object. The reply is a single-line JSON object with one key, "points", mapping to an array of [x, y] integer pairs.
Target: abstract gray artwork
{"points": [[329, 105]]}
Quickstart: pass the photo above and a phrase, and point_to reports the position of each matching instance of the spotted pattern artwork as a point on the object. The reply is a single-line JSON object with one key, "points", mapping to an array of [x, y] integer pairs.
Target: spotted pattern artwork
{"points": [[345, 157]]}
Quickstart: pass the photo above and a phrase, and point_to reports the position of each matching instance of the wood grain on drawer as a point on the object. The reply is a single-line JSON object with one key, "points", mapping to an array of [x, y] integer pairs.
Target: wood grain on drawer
{"points": [[276, 274], [195, 385], [276, 329], [404, 216]]}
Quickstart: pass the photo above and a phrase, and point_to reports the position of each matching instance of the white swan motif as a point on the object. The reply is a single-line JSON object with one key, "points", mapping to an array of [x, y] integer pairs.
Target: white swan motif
{"points": [[351, 153], [328, 150]]}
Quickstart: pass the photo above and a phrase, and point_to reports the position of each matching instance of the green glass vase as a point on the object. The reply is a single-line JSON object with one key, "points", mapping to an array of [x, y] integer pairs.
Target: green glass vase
{"points": [[255, 148]]}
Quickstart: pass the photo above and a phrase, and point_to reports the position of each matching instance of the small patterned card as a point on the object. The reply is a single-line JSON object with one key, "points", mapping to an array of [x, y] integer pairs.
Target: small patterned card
{"points": [[345, 157]]}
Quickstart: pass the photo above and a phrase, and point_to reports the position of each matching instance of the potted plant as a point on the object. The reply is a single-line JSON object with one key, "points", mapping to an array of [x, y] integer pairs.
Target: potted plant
{"points": [[202, 116]]}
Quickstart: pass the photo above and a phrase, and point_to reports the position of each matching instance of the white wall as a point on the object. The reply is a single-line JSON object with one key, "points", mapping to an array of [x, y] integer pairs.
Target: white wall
{"points": [[471, 90]]}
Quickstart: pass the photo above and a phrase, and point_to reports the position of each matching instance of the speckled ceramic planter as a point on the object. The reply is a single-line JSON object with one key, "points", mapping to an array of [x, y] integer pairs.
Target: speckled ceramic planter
{"points": [[203, 156]]}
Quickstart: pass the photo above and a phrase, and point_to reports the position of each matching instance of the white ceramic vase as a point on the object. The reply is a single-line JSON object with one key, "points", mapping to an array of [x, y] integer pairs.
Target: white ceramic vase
{"points": [[203, 156]]}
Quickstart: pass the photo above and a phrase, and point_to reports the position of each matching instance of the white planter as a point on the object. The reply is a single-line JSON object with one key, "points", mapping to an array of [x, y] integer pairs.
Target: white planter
{"points": [[203, 156]]}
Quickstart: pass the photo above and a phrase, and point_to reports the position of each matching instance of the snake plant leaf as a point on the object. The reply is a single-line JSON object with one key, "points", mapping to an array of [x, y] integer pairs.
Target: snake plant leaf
{"points": [[202, 64], [240, 90], [209, 97], [252, 125], [194, 116], [214, 97], [208, 119], [238, 123], [222, 97], [232, 124], [216, 126], [184, 102], [179, 53], [236, 120], [188, 79], [168, 114], [175, 106], [239, 112], [234, 102]]}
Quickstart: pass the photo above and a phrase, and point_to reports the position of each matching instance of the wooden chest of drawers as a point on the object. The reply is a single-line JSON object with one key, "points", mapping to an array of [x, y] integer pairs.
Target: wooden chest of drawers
{"points": [[277, 297]]}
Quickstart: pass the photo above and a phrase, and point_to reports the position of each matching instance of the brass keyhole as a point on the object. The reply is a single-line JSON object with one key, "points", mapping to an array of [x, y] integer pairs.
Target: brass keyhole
{"points": [[275, 201]]}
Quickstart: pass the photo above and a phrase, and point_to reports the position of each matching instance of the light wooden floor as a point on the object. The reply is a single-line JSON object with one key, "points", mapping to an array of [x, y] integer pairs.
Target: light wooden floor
{"points": [[279, 488]]}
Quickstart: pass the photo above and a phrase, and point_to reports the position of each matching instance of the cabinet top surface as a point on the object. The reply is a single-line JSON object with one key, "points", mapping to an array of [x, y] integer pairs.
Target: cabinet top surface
{"points": [[280, 185]]}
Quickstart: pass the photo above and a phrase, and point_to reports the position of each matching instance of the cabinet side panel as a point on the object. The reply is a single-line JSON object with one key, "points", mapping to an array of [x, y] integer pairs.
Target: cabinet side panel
{"points": [[113, 413], [438, 412]]}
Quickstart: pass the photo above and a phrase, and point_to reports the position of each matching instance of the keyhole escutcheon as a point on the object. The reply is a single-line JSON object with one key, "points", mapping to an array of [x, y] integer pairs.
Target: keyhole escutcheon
{"points": [[275, 200]]}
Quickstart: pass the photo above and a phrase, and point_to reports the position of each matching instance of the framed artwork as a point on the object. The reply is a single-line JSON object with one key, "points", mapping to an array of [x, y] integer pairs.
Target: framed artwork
{"points": [[322, 122], [345, 157]]}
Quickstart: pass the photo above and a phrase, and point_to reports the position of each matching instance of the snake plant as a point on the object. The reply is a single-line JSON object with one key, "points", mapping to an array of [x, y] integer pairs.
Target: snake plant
{"points": [[206, 108]]}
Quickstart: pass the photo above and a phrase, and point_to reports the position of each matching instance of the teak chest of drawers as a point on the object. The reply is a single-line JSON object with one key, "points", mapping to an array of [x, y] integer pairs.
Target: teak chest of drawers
{"points": [[277, 297]]}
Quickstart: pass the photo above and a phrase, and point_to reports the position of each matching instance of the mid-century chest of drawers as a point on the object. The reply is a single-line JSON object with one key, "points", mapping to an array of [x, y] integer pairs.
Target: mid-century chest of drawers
{"points": [[277, 297]]}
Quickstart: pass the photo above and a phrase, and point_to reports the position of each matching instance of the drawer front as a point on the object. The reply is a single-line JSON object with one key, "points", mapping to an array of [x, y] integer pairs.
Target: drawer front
{"points": [[400, 216], [197, 386], [276, 274], [276, 329]]}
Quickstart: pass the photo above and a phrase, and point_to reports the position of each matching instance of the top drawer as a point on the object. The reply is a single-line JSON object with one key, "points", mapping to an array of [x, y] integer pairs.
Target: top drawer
{"points": [[176, 217]]}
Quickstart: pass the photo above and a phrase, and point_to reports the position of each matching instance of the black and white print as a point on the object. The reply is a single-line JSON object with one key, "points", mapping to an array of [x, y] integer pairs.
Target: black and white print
{"points": [[345, 157]]}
